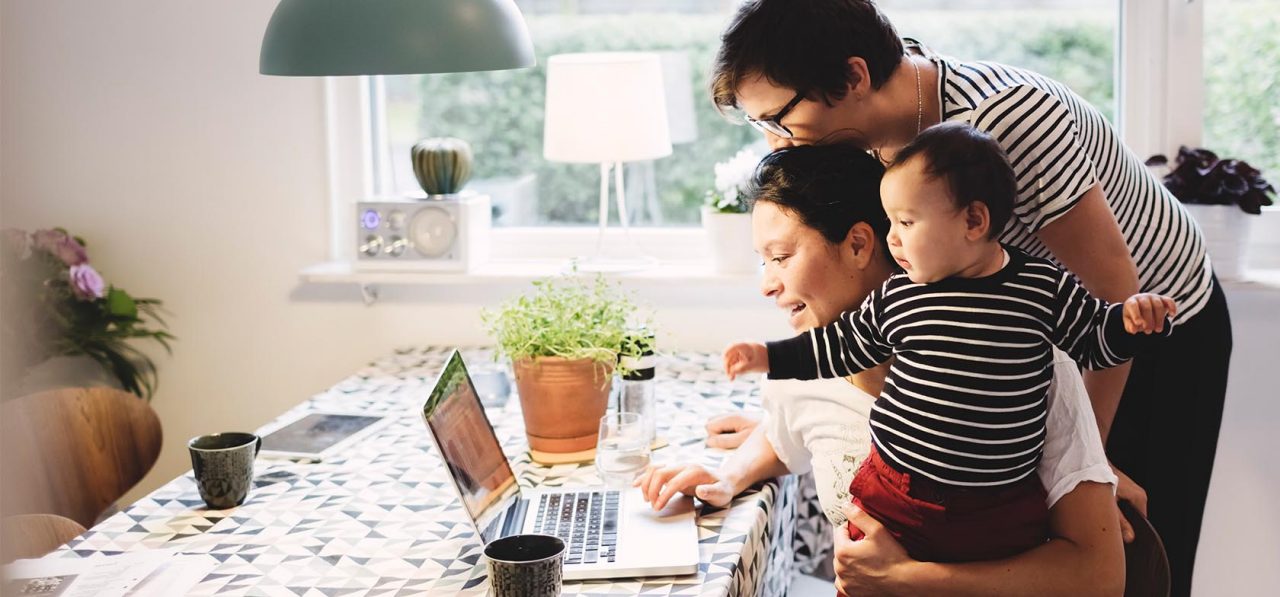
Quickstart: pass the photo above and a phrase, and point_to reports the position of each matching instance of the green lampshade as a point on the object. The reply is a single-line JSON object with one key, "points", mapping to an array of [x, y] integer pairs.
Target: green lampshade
{"points": [[394, 37]]}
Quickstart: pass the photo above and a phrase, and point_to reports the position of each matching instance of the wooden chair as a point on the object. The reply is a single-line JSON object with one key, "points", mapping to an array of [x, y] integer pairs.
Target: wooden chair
{"points": [[34, 535], [75, 451], [1146, 566]]}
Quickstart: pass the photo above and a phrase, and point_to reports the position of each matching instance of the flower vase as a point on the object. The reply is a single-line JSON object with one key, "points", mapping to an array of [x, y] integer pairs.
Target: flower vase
{"points": [[1226, 230], [729, 238]]}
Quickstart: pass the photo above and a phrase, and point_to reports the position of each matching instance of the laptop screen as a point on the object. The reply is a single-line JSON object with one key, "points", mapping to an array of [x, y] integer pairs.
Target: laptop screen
{"points": [[467, 443]]}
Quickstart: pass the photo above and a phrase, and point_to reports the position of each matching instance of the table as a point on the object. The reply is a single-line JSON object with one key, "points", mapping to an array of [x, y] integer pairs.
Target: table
{"points": [[381, 519]]}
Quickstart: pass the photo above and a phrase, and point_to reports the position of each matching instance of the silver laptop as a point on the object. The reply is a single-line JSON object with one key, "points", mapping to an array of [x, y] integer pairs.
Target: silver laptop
{"points": [[609, 532]]}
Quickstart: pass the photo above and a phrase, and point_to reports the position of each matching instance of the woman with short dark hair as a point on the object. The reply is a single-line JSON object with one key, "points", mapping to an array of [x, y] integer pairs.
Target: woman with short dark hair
{"points": [[813, 71]]}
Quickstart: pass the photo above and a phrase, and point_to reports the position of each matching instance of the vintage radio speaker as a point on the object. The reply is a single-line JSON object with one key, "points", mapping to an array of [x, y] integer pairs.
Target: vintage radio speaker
{"points": [[438, 233]]}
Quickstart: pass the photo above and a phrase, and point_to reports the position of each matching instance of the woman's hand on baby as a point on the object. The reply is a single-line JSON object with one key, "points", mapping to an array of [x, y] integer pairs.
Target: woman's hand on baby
{"points": [[872, 565], [745, 357], [1145, 313], [661, 483]]}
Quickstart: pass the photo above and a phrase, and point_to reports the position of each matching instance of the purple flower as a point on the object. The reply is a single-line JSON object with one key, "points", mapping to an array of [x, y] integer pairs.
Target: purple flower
{"points": [[85, 282], [60, 245]]}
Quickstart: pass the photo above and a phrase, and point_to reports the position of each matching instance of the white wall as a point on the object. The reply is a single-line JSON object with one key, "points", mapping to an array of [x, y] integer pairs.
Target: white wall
{"points": [[144, 127]]}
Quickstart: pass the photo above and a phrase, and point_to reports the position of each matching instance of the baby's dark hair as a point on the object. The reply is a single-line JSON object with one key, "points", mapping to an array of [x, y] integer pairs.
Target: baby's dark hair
{"points": [[829, 187], [973, 165]]}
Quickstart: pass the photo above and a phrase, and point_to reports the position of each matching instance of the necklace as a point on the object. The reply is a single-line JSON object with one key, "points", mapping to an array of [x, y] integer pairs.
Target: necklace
{"points": [[919, 113], [919, 98]]}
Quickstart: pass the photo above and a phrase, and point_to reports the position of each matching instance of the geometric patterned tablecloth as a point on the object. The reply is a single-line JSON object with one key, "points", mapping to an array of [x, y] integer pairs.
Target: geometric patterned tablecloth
{"points": [[381, 519]]}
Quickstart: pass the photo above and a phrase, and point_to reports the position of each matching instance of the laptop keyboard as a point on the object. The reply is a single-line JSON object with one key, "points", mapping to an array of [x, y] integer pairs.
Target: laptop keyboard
{"points": [[586, 521]]}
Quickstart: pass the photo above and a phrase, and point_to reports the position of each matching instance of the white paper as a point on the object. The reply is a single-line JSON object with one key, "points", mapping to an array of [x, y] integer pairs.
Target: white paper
{"points": [[176, 576], [101, 576]]}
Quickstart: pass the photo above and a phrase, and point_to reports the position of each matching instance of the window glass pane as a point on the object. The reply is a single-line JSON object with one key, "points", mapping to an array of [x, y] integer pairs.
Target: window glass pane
{"points": [[500, 113], [1242, 82], [1072, 41]]}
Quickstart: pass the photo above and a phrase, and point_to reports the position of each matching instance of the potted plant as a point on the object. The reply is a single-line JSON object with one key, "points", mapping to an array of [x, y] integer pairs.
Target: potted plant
{"points": [[1218, 193], [564, 339], [58, 311], [726, 216]]}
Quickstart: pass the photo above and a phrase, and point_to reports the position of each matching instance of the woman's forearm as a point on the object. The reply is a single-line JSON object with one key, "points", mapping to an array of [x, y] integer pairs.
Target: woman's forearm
{"points": [[1084, 557], [752, 462]]}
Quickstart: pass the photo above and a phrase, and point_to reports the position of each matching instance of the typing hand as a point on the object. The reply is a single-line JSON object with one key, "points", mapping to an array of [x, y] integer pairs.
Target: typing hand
{"points": [[660, 483], [1145, 313], [745, 357]]}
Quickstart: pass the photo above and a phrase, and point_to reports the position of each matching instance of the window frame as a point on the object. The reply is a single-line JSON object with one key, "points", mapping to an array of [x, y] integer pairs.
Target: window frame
{"points": [[1159, 79]]}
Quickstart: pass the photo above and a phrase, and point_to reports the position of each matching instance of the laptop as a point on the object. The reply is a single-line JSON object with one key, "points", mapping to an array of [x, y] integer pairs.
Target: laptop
{"points": [[608, 532]]}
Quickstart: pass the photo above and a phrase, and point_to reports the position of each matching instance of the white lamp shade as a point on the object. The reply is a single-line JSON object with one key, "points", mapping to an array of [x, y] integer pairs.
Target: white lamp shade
{"points": [[605, 107]]}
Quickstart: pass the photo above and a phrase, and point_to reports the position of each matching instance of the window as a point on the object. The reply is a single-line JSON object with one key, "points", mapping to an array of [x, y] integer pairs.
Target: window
{"points": [[500, 113], [1242, 82]]}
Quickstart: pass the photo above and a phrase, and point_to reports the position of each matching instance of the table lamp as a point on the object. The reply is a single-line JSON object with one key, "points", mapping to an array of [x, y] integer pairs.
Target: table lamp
{"points": [[607, 108]]}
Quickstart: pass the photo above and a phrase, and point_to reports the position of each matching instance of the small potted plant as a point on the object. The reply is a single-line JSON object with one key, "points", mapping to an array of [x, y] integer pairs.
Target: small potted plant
{"points": [[726, 218], [564, 339], [1218, 193]]}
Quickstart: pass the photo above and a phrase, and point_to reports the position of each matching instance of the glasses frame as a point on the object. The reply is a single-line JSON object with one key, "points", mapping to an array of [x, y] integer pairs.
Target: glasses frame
{"points": [[773, 124]]}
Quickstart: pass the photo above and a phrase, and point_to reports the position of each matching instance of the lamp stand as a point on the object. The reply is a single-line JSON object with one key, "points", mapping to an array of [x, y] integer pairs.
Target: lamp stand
{"points": [[631, 258]]}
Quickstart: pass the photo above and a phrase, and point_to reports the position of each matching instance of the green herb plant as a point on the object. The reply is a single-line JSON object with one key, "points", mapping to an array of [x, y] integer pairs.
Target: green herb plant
{"points": [[571, 316]]}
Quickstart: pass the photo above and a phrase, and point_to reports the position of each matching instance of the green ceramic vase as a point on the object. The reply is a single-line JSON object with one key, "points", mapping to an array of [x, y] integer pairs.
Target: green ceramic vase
{"points": [[442, 164]]}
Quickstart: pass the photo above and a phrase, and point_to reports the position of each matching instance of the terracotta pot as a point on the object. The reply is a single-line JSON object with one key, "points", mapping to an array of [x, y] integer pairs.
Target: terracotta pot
{"points": [[562, 401]]}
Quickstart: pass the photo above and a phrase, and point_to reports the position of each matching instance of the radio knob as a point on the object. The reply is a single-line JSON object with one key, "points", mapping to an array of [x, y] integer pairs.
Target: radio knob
{"points": [[372, 245], [395, 220], [397, 246]]}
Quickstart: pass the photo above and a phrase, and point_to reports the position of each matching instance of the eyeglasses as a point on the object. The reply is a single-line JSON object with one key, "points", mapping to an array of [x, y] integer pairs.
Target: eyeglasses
{"points": [[773, 124]]}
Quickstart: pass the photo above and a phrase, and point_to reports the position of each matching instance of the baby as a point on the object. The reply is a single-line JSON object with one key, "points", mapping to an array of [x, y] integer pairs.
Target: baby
{"points": [[959, 428]]}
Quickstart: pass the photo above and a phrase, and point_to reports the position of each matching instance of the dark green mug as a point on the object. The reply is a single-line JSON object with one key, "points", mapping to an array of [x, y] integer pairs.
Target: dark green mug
{"points": [[223, 467], [526, 566]]}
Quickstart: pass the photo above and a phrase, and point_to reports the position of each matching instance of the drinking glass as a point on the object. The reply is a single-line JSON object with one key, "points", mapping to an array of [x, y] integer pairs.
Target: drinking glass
{"points": [[622, 451]]}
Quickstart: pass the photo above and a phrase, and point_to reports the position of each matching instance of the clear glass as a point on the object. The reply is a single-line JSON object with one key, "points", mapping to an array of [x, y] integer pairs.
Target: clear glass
{"points": [[1242, 82], [622, 452], [500, 113], [637, 396]]}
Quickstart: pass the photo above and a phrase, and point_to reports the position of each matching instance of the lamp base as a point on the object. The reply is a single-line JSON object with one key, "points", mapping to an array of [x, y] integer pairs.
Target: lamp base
{"points": [[612, 265]]}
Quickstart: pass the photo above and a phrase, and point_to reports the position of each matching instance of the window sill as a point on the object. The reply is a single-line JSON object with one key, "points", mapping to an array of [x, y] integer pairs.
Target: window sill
{"points": [[674, 277]]}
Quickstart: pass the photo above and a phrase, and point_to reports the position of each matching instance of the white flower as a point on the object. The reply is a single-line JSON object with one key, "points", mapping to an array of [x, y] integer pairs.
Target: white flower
{"points": [[734, 174]]}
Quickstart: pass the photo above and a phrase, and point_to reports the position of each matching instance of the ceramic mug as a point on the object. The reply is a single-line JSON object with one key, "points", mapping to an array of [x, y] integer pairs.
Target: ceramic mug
{"points": [[223, 466], [526, 566]]}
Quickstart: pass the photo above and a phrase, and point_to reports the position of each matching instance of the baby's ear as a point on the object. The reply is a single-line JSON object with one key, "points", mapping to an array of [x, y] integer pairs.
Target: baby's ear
{"points": [[977, 219]]}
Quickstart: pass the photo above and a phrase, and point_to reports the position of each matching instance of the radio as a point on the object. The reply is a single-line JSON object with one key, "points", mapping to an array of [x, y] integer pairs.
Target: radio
{"points": [[438, 233]]}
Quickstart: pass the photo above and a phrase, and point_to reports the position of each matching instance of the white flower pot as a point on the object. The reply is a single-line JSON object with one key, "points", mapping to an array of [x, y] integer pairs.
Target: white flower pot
{"points": [[729, 236], [1226, 232]]}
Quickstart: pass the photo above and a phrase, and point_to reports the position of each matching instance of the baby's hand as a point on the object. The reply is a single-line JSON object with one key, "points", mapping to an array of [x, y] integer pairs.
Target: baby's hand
{"points": [[745, 357], [1145, 313]]}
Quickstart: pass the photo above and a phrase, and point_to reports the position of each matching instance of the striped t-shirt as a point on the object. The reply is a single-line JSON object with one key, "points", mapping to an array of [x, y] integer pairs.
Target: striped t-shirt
{"points": [[1060, 146], [964, 402]]}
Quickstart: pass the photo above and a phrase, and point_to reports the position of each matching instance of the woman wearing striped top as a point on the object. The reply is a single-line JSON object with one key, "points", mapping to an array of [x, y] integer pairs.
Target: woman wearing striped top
{"points": [[959, 427], [808, 71]]}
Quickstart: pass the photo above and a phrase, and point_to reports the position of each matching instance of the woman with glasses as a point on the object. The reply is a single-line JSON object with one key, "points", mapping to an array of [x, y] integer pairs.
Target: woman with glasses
{"points": [[815, 71]]}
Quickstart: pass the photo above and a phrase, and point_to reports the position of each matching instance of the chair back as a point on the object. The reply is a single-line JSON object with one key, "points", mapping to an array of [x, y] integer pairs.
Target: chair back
{"points": [[34, 535], [75, 451], [1146, 565]]}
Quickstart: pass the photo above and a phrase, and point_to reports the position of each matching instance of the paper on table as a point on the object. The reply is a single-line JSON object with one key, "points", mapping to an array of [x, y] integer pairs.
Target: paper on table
{"points": [[176, 576], [104, 576]]}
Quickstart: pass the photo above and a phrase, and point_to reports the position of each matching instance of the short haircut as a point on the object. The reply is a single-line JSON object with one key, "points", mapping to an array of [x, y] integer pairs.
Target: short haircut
{"points": [[803, 45], [973, 165], [829, 187]]}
